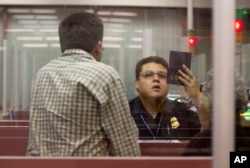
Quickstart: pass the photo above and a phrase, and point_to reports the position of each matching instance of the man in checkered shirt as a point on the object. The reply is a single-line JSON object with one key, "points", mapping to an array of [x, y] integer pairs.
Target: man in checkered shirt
{"points": [[78, 104]]}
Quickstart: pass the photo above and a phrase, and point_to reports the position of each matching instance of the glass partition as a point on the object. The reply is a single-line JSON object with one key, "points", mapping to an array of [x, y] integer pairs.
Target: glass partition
{"points": [[1, 58], [130, 34], [29, 40]]}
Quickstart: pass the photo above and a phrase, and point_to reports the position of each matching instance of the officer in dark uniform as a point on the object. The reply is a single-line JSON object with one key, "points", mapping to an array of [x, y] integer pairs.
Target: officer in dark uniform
{"points": [[175, 120], [156, 116]]}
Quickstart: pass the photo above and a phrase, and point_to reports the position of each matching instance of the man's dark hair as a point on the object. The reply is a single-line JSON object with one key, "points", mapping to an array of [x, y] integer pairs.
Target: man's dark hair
{"points": [[80, 31], [150, 59]]}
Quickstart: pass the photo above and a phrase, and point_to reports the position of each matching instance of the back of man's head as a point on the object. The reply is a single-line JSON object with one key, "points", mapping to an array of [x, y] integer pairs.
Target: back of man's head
{"points": [[80, 31]]}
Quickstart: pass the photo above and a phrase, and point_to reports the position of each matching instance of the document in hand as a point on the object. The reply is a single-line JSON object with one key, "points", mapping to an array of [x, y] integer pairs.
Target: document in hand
{"points": [[176, 60]]}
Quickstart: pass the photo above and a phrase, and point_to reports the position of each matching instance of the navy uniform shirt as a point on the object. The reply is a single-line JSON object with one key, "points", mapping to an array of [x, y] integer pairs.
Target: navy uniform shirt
{"points": [[175, 120]]}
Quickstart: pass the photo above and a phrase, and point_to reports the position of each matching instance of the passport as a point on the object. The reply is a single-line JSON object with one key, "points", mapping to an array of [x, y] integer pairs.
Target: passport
{"points": [[176, 60]]}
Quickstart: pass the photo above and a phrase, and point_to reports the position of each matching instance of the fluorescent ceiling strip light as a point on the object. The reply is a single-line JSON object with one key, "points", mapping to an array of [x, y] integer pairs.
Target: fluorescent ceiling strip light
{"points": [[104, 19], [52, 38], [49, 26], [32, 45], [116, 25], [23, 17], [111, 46], [136, 39], [27, 22], [35, 27], [116, 20], [105, 38], [30, 38], [104, 13], [49, 22], [48, 30], [120, 20], [39, 17], [134, 46], [46, 17], [16, 10], [115, 30], [19, 30], [124, 14], [55, 45], [109, 13], [43, 11], [138, 31]]}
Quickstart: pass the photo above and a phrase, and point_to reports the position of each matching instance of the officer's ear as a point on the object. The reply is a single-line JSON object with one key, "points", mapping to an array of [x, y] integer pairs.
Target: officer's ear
{"points": [[136, 85]]}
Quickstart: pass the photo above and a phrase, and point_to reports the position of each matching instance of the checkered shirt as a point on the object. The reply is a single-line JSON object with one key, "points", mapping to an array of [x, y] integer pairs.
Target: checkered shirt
{"points": [[79, 108]]}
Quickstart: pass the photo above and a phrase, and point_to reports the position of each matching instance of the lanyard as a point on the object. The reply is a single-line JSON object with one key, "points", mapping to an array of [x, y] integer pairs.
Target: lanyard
{"points": [[159, 125]]}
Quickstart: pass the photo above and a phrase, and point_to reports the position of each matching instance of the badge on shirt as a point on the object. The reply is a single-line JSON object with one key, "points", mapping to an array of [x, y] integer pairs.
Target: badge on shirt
{"points": [[174, 123]]}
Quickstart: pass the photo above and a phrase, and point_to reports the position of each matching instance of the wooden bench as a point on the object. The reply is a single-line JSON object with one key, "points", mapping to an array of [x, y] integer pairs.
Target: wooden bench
{"points": [[107, 162]]}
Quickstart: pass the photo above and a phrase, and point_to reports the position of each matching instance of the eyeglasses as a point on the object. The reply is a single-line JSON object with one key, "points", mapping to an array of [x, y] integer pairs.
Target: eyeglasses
{"points": [[151, 74]]}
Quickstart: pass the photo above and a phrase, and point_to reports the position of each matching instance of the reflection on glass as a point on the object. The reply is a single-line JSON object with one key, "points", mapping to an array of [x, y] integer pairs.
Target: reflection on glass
{"points": [[32, 41]]}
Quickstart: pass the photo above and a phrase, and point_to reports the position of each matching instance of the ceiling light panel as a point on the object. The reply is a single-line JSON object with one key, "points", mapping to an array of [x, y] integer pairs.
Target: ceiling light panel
{"points": [[104, 13], [16, 10], [117, 20], [49, 26], [109, 13], [33, 45], [120, 20], [55, 45], [138, 31], [46, 17], [56, 38], [30, 38], [134, 46], [25, 22], [20, 30], [115, 25], [112, 38], [131, 14], [112, 46], [115, 30], [23, 17], [48, 30], [104, 19], [136, 39], [31, 26], [43, 11], [39, 17], [49, 22]]}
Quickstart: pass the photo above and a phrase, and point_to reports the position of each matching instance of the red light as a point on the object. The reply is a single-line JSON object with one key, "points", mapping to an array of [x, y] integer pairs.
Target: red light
{"points": [[192, 41], [238, 25]]}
